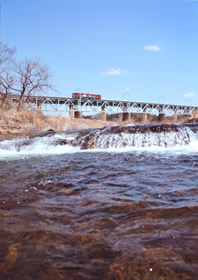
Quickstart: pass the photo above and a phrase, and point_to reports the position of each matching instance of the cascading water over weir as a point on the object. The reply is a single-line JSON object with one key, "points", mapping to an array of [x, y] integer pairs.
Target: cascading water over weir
{"points": [[138, 136], [110, 137]]}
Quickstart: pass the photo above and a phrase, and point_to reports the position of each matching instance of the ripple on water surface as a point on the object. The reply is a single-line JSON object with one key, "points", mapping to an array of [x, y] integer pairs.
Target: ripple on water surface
{"points": [[99, 216]]}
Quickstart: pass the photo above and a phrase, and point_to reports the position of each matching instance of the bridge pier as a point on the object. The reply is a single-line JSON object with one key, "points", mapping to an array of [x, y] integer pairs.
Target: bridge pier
{"points": [[103, 115], [145, 117], [58, 104], [161, 117], [71, 115], [77, 115], [125, 116], [39, 105], [175, 118]]}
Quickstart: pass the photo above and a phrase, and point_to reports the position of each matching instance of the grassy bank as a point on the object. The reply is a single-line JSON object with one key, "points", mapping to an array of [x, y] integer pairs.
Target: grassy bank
{"points": [[13, 121]]}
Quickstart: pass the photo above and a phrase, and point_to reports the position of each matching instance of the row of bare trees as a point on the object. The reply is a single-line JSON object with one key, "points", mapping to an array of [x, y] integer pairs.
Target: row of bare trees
{"points": [[24, 78]]}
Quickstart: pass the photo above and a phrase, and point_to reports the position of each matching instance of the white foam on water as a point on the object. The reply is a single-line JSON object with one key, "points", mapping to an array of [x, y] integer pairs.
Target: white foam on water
{"points": [[39, 146], [179, 149], [182, 141]]}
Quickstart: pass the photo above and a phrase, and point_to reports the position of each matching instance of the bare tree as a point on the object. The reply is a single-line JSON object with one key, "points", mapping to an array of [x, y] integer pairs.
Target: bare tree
{"points": [[6, 76], [6, 83], [6, 54], [31, 78], [24, 78]]}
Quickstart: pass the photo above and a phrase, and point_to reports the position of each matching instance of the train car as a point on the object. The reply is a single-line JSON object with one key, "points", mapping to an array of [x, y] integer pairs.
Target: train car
{"points": [[86, 96]]}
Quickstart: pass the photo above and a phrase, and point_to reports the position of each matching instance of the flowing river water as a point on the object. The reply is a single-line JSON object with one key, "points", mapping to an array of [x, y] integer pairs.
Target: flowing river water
{"points": [[114, 203]]}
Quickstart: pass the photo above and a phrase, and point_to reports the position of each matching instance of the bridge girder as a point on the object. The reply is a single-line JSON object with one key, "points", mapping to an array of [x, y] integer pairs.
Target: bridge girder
{"points": [[62, 104]]}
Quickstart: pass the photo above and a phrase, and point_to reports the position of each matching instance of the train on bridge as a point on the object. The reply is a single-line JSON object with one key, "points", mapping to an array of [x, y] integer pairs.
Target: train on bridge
{"points": [[86, 102], [86, 96]]}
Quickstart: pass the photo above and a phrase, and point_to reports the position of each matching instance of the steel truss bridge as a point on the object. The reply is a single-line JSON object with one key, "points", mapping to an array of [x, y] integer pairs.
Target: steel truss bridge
{"points": [[68, 104]]}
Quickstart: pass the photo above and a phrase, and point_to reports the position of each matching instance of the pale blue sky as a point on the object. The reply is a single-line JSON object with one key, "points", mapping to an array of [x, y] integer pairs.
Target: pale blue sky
{"points": [[121, 49]]}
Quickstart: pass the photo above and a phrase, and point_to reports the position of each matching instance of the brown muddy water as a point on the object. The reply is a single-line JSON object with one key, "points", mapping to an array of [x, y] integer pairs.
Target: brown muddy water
{"points": [[99, 215]]}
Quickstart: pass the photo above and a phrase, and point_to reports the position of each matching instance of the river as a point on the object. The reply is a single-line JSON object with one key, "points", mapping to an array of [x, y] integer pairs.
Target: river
{"points": [[125, 208]]}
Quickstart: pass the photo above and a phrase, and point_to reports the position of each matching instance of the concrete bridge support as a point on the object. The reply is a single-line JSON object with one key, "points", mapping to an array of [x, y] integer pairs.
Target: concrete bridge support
{"points": [[77, 115], [175, 118], [145, 117], [71, 115], [194, 114], [161, 117], [39, 105], [104, 116], [126, 116]]}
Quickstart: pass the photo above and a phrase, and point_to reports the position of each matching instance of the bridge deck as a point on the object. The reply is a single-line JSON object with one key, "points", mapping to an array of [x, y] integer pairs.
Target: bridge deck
{"points": [[50, 103]]}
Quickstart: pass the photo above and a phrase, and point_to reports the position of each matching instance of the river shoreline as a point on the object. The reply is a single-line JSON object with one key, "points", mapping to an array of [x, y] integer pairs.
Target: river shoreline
{"points": [[15, 124], [26, 123]]}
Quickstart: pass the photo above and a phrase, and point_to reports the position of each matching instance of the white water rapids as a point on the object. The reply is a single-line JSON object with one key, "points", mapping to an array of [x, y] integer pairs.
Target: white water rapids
{"points": [[182, 141]]}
